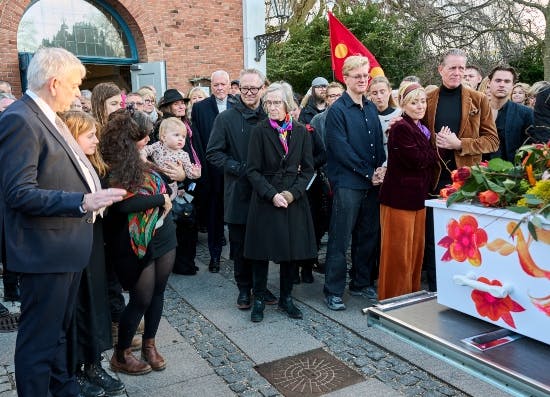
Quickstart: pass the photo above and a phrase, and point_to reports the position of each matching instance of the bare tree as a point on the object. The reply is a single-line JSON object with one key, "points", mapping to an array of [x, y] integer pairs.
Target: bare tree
{"points": [[492, 31]]}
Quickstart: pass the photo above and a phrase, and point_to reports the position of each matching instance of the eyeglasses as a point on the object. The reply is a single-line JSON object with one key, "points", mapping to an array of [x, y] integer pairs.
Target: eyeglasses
{"points": [[360, 76], [272, 103], [252, 90], [332, 96], [135, 103], [320, 86], [148, 101]]}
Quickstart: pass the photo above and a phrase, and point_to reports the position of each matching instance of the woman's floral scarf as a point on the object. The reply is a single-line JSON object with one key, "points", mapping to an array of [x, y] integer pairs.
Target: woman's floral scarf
{"points": [[141, 225], [283, 130]]}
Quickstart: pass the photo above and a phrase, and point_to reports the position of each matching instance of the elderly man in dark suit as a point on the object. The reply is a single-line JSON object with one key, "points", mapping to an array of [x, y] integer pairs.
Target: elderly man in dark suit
{"points": [[203, 115], [49, 195]]}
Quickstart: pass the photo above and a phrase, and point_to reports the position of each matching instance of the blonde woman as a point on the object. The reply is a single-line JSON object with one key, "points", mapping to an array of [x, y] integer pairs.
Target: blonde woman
{"points": [[92, 322], [520, 93], [412, 161]]}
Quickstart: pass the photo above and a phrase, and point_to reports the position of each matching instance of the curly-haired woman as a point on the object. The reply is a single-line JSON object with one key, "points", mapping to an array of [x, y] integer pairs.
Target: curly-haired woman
{"points": [[140, 237]]}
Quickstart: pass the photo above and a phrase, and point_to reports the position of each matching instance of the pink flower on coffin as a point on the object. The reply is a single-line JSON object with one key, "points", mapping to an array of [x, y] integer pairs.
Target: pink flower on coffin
{"points": [[463, 240], [495, 308], [543, 304]]}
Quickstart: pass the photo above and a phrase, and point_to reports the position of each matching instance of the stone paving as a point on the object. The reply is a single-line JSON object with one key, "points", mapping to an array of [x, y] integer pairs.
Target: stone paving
{"points": [[225, 360], [237, 369]]}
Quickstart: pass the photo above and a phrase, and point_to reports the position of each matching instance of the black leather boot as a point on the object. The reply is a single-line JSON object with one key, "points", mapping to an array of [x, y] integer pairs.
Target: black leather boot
{"points": [[257, 314], [286, 304], [306, 273]]}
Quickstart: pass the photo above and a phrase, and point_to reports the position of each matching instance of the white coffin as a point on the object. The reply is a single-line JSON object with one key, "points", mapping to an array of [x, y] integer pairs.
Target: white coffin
{"points": [[520, 265]]}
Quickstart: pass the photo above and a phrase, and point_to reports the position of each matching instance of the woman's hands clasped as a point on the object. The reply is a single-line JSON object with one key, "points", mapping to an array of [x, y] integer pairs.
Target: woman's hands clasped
{"points": [[283, 199]]}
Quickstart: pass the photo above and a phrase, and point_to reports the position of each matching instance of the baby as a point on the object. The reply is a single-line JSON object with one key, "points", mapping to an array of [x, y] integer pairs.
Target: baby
{"points": [[169, 149]]}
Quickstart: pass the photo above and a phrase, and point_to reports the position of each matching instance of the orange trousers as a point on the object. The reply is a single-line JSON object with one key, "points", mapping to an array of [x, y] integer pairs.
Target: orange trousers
{"points": [[402, 251]]}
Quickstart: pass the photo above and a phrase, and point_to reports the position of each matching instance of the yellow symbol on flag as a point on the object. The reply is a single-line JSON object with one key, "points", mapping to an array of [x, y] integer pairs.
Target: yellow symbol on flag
{"points": [[376, 71], [340, 51]]}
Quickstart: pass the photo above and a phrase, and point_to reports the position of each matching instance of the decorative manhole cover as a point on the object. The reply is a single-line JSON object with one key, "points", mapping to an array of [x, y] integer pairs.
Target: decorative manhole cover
{"points": [[309, 374]]}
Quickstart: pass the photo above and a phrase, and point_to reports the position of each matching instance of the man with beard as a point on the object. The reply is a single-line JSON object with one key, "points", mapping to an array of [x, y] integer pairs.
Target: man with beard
{"points": [[316, 102]]}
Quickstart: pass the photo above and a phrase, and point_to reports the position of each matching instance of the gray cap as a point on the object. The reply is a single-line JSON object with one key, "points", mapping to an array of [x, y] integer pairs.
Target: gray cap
{"points": [[319, 81]]}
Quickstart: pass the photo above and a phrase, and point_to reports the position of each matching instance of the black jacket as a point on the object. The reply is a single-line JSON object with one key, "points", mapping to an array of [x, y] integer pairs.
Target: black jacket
{"points": [[228, 149], [309, 111]]}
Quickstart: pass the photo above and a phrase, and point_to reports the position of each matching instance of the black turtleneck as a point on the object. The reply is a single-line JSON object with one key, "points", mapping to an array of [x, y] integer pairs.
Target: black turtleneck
{"points": [[449, 109], [448, 113]]}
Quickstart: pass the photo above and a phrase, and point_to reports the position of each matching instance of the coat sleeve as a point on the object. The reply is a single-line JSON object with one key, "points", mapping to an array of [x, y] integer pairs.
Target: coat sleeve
{"points": [[254, 166], [487, 141], [298, 189], [21, 151], [217, 151]]}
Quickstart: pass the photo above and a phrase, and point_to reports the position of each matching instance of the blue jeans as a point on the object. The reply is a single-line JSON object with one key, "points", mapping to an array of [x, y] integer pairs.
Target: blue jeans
{"points": [[355, 216]]}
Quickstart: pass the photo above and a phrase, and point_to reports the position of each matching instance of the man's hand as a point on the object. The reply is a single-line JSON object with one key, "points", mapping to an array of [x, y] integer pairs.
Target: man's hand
{"points": [[446, 139], [102, 198]]}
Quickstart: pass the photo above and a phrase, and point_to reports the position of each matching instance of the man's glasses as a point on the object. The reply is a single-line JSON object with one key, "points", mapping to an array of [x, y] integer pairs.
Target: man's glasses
{"points": [[320, 86], [360, 76], [148, 101], [252, 90], [332, 96]]}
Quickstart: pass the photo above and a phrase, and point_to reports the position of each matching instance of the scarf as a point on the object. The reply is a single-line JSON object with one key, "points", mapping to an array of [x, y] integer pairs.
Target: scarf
{"points": [[190, 137], [424, 129], [141, 225], [283, 130]]}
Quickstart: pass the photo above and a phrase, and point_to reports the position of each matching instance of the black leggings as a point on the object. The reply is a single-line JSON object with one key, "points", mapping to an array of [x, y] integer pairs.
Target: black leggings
{"points": [[146, 299]]}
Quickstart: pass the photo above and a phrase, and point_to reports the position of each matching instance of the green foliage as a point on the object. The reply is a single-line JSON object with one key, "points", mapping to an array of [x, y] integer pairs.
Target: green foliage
{"points": [[498, 176], [306, 53], [529, 64]]}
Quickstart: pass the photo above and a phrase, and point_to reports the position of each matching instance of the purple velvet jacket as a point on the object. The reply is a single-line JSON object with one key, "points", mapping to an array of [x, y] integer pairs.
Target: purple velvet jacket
{"points": [[412, 165]]}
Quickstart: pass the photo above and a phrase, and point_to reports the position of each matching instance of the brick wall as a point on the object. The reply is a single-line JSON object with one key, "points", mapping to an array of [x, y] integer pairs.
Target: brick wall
{"points": [[194, 37]]}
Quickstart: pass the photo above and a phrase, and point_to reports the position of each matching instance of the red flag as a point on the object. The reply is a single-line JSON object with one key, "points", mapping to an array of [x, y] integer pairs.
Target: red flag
{"points": [[344, 44]]}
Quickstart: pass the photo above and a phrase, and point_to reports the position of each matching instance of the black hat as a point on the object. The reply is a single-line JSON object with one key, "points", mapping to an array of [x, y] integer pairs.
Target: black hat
{"points": [[170, 96], [235, 82]]}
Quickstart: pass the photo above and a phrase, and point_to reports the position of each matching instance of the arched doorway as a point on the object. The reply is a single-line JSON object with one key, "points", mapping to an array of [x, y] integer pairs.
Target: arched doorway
{"points": [[92, 30]]}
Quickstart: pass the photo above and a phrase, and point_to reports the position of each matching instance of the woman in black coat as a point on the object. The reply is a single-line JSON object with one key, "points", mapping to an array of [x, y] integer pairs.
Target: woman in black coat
{"points": [[279, 226]]}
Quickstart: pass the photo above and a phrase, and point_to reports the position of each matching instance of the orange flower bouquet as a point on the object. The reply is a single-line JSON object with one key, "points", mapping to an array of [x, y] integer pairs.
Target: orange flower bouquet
{"points": [[522, 187]]}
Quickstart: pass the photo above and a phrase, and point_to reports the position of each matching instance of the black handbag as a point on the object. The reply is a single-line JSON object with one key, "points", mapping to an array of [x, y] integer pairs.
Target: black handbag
{"points": [[183, 210]]}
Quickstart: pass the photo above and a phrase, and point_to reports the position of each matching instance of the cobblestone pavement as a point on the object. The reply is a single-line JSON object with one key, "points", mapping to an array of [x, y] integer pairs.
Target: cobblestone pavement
{"points": [[237, 369]]}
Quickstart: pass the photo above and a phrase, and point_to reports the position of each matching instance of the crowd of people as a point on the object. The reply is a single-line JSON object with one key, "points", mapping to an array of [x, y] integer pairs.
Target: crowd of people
{"points": [[92, 184]]}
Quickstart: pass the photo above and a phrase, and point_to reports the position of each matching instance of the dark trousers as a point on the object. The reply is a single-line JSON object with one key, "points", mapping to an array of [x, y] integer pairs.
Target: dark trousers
{"points": [[10, 280], [242, 267], [260, 270], [47, 307], [214, 225], [355, 216], [187, 235], [114, 292]]}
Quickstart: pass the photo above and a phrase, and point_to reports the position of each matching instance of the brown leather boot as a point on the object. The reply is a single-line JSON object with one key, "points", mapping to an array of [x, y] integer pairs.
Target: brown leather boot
{"points": [[136, 340], [124, 361], [150, 354]]}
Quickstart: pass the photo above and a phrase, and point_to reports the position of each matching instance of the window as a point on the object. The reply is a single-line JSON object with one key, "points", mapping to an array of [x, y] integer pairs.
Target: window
{"points": [[90, 31]]}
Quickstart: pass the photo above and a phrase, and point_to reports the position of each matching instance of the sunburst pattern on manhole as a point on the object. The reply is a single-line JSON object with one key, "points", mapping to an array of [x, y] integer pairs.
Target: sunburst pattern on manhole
{"points": [[313, 373]]}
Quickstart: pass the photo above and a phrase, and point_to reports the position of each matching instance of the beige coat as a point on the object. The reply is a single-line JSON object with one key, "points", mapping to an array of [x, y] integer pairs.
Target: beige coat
{"points": [[478, 132]]}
